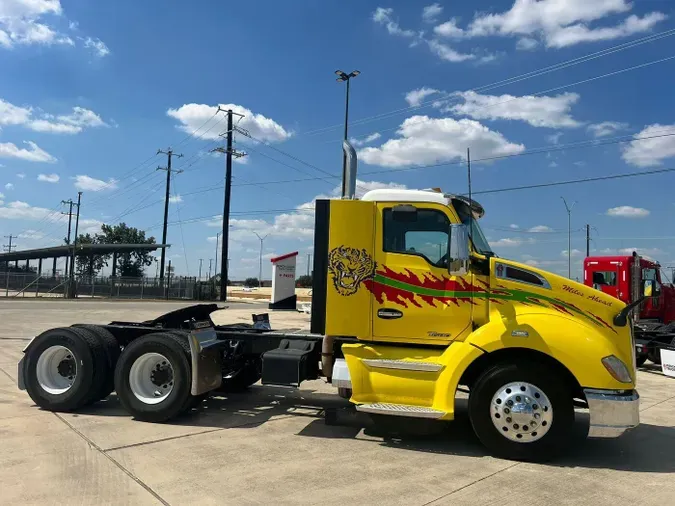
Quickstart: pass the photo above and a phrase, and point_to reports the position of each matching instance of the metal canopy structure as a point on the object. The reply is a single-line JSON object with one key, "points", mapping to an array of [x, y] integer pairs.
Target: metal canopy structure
{"points": [[80, 250]]}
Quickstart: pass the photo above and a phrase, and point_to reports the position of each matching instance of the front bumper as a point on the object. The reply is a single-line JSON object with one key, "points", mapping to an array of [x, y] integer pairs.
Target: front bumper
{"points": [[613, 412]]}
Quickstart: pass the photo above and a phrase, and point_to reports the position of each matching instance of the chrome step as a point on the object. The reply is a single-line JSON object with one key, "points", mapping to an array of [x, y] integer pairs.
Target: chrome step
{"points": [[407, 365], [381, 408]]}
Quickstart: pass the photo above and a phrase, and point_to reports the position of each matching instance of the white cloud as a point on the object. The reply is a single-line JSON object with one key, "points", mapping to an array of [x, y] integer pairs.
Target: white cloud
{"points": [[33, 154], [627, 212], [445, 52], [20, 23], [553, 164], [97, 46], [538, 111], [540, 229], [427, 140], [416, 97], [19, 210], [561, 23], [9, 186], [575, 253], [79, 119], [575, 34], [20, 175], [383, 17], [366, 140], [72, 123], [175, 199], [48, 178], [606, 128], [650, 152], [31, 235], [11, 114], [84, 182], [194, 118], [449, 29], [554, 138], [526, 44], [648, 253], [431, 12], [506, 243], [514, 226]]}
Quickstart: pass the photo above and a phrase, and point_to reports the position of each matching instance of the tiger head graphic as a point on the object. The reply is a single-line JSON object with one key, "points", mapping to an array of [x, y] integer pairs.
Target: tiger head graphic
{"points": [[349, 267]]}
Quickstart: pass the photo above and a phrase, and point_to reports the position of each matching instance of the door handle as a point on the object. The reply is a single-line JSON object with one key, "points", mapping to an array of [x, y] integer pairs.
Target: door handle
{"points": [[389, 314]]}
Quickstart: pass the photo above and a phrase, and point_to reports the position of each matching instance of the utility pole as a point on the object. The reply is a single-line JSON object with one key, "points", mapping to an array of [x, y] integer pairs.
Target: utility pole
{"points": [[229, 154], [10, 246], [169, 154], [569, 236], [588, 240], [261, 253], [70, 219], [309, 260], [201, 260], [210, 264], [71, 283]]}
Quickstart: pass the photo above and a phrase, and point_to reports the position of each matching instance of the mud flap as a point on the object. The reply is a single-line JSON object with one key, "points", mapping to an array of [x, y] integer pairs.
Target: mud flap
{"points": [[19, 378], [205, 353]]}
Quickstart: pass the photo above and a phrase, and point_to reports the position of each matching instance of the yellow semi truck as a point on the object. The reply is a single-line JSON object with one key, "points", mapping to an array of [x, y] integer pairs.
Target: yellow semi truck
{"points": [[409, 302]]}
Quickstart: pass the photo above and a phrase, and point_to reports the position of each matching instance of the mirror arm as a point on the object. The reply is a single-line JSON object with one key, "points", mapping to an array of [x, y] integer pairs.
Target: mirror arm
{"points": [[621, 319]]}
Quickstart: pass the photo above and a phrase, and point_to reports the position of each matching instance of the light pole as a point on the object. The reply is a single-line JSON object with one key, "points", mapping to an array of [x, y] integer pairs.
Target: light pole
{"points": [[345, 77], [569, 236], [261, 251]]}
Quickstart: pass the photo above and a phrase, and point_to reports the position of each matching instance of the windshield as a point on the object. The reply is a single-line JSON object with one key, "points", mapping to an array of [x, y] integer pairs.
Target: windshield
{"points": [[479, 241]]}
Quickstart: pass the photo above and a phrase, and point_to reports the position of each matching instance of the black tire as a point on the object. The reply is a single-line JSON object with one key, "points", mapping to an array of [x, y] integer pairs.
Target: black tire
{"points": [[91, 363], [481, 412], [177, 350], [112, 350]]}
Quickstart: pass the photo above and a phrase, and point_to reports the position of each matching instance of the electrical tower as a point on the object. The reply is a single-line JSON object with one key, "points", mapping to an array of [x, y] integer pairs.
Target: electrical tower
{"points": [[169, 154], [230, 153]]}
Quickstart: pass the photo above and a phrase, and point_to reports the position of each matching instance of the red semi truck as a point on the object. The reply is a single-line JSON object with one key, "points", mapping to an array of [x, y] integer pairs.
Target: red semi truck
{"points": [[622, 277]]}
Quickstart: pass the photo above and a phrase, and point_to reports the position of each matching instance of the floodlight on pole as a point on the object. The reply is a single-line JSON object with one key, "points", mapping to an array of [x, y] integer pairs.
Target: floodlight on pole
{"points": [[343, 76]]}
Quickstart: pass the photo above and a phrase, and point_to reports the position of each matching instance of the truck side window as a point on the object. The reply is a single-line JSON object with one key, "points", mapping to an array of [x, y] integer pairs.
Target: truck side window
{"points": [[426, 237], [606, 278]]}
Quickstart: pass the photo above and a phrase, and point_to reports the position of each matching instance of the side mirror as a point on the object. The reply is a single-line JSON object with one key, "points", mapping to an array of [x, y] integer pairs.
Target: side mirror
{"points": [[404, 213], [650, 288], [458, 250]]}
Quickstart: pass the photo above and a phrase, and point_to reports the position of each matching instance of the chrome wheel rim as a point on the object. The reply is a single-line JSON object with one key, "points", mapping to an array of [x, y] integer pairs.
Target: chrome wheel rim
{"points": [[521, 412], [56, 370], [151, 378]]}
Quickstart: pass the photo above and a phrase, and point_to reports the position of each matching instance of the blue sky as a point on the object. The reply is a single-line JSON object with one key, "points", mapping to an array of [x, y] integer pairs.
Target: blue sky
{"points": [[90, 90]]}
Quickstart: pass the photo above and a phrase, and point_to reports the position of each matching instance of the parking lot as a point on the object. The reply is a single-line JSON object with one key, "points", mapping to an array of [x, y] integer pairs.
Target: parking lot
{"points": [[272, 446]]}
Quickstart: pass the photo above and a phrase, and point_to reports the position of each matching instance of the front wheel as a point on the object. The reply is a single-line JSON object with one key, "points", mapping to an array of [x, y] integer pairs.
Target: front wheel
{"points": [[521, 412]]}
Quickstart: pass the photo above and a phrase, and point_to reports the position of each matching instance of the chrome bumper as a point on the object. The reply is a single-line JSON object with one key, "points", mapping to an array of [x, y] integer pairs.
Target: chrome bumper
{"points": [[613, 412]]}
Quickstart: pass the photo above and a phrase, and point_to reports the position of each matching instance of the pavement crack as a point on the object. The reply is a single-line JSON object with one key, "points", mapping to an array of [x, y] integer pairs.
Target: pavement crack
{"points": [[472, 483], [7, 374], [111, 459], [653, 405]]}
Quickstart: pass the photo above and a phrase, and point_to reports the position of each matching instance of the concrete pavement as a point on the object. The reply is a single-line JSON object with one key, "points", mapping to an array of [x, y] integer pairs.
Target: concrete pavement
{"points": [[272, 446]]}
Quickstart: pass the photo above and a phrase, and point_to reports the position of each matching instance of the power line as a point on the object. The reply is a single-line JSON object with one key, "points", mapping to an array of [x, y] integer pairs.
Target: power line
{"points": [[508, 81]]}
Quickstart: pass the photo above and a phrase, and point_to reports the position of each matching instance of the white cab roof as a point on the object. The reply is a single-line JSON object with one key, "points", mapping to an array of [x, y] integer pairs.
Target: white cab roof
{"points": [[392, 195]]}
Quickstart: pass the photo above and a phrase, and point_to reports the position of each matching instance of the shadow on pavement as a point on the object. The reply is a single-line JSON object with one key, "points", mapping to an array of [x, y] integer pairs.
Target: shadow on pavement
{"points": [[648, 448]]}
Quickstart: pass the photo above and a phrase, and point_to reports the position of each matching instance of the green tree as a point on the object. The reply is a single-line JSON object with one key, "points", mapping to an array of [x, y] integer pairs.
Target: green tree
{"points": [[304, 282], [89, 265], [251, 282], [129, 263]]}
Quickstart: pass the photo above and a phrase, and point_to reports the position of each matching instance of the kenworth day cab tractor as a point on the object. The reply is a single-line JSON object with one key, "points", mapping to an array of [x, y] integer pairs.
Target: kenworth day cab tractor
{"points": [[624, 277], [409, 302]]}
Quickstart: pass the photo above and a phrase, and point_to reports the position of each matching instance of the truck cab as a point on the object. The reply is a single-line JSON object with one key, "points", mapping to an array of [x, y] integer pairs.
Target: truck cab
{"points": [[414, 303]]}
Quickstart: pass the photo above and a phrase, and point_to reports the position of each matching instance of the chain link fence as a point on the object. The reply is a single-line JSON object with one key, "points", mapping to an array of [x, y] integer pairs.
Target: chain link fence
{"points": [[30, 284]]}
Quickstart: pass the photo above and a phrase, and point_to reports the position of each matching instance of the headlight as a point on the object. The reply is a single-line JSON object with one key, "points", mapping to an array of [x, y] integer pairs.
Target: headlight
{"points": [[617, 369]]}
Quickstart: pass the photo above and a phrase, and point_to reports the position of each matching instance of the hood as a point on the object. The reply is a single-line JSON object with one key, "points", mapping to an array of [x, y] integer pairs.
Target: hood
{"points": [[534, 288]]}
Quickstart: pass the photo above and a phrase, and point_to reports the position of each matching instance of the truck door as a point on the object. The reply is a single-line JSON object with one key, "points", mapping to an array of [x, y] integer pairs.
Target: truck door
{"points": [[414, 296]]}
